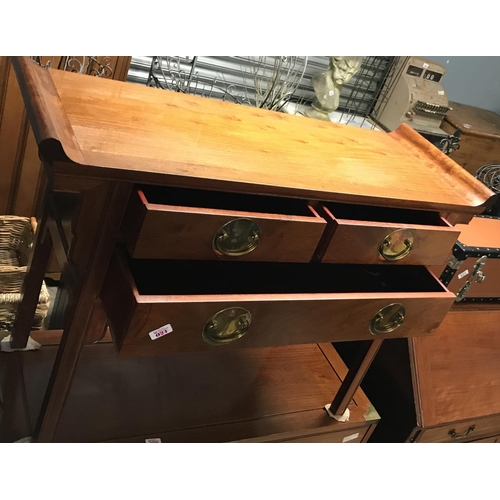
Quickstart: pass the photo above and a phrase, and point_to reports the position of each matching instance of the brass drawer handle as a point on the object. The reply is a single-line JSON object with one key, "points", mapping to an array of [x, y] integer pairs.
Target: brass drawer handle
{"points": [[396, 245], [454, 435], [226, 326], [237, 237], [388, 319]]}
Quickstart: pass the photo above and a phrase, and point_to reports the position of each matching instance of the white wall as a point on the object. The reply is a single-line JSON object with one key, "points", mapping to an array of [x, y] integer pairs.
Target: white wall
{"points": [[472, 80]]}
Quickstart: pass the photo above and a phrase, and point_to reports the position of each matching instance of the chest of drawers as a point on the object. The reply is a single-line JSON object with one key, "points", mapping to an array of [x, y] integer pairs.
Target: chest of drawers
{"points": [[190, 225]]}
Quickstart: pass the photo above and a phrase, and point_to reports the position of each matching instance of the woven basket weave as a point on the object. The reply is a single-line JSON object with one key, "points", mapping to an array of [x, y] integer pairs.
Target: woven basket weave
{"points": [[16, 242]]}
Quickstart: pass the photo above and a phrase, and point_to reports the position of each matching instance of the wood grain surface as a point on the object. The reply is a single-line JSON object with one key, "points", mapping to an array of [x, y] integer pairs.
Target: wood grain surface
{"points": [[481, 232], [173, 232], [480, 135], [355, 241], [462, 431], [262, 394], [277, 318], [141, 134], [456, 371]]}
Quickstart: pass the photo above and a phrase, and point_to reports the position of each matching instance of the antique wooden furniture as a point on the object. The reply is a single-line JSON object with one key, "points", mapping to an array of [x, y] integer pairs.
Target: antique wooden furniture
{"points": [[273, 394], [480, 135], [192, 225], [443, 388]]}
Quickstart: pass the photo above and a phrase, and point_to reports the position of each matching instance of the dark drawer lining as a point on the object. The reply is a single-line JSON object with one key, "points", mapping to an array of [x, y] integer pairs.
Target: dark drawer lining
{"points": [[198, 198], [221, 277], [384, 214]]}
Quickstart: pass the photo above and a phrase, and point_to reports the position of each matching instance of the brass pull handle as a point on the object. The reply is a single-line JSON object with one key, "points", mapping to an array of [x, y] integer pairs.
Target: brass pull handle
{"points": [[226, 326], [396, 245], [388, 319], [237, 237], [454, 435]]}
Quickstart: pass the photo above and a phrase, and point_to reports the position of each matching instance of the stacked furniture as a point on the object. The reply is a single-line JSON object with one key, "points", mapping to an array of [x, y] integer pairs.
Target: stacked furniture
{"points": [[226, 247], [446, 388]]}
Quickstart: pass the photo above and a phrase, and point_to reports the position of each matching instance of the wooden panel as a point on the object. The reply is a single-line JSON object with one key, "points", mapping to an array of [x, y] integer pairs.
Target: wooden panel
{"points": [[474, 121], [269, 429], [481, 232], [492, 439], [28, 178], [475, 151], [355, 241], [170, 232], [464, 431], [277, 393], [13, 133], [456, 370], [194, 141], [18, 147], [347, 436], [277, 319]]}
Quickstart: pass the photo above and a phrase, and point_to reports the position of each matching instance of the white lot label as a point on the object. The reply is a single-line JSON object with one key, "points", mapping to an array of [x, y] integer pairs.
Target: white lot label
{"points": [[153, 440], [350, 437], [462, 275], [156, 334]]}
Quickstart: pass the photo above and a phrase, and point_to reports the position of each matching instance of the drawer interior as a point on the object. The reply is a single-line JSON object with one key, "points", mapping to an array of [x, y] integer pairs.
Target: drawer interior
{"points": [[198, 198], [384, 214], [222, 277]]}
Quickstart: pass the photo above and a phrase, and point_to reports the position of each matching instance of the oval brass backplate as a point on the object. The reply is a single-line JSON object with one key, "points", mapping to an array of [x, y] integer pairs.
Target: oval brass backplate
{"points": [[226, 325], [388, 319], [396, 245], [237, 237]]}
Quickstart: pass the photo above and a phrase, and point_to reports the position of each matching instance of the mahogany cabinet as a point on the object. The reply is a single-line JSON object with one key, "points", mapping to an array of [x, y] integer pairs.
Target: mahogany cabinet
{"points": [[195, 229]]}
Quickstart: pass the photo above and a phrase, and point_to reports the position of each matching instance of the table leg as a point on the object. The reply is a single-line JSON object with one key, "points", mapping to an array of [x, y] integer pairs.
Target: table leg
{"points": [[99, 218], [32, 285], [354, 377]]}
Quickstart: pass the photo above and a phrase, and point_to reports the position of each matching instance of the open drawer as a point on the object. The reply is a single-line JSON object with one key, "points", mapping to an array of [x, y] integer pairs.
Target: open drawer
{"points": [[174, 223], [173, 306], [378, 235]]}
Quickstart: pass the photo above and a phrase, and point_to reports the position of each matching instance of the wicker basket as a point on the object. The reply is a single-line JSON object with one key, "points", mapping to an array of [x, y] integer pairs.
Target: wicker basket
{"points": [[16, 242]]}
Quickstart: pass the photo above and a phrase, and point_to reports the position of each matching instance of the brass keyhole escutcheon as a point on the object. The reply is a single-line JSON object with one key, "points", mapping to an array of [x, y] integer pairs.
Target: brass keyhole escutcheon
{"points": [[396, 245], [388, 319], [226, 326], [237, 237]]}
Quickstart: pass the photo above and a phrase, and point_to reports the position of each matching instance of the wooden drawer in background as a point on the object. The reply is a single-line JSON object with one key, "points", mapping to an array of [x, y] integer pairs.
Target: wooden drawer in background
{"points": [[171, 223], [462, 432], [378, 235], [269, 304]]}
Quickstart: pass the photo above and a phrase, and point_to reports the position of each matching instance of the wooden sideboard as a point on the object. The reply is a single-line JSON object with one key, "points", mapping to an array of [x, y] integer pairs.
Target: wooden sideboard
{"points": [[196, 229]]}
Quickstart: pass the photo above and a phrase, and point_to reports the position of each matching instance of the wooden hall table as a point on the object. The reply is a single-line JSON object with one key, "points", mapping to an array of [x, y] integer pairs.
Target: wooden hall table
{"points": [[100, 140]]}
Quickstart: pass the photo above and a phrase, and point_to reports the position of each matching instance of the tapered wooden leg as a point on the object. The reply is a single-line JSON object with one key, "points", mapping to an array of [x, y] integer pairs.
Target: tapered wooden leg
{"points": [[32, 285], [98, 224], [354, 377]]}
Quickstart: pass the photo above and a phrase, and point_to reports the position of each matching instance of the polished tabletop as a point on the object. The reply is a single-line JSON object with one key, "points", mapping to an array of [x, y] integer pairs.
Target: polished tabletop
{"points": [[130, 132]]}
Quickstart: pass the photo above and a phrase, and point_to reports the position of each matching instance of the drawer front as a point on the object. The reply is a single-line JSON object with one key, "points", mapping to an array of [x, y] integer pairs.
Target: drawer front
{"points": [[372, 242], [347, 436], [198, 322], [463, 432], [492, 439], [154, 231]]}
